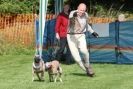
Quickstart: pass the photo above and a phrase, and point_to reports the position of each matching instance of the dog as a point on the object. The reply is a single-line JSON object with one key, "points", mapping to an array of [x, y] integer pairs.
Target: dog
{"points": [[54, 70], [38, 68], [74, 24]]}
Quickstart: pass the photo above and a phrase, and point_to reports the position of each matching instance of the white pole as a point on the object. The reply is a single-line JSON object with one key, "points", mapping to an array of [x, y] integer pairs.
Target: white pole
{"points": [[58, 6], [42, 15]]}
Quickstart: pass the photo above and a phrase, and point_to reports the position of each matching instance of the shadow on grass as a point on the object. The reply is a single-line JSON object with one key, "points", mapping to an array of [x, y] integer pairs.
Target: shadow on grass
{"points": [[38, 80], [78, 74], [83, 75]]}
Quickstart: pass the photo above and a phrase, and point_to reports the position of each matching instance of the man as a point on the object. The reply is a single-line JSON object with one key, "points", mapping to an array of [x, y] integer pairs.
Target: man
{"points": [[76, 38], [61, 30], [121, 17]]}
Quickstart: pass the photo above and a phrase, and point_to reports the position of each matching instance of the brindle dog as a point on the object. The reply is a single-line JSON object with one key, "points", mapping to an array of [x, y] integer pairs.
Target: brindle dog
{"points": [[38, 68]]}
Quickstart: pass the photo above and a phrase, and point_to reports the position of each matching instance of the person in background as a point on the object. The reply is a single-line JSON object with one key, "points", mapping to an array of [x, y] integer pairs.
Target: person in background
{"points": [[121, 17], [76, 38], [61, 28]]}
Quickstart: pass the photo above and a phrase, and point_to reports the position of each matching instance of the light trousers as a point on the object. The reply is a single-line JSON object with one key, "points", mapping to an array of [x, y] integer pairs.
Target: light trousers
{"points": [[78, 47]]}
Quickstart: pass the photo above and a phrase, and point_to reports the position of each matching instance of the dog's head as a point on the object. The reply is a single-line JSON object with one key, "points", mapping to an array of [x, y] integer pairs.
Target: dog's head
{"points": [[73, 19], [75, 14], [37, 59], [53, 67]]}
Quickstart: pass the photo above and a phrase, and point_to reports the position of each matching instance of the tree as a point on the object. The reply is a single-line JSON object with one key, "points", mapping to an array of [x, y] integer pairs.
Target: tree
{"points": [[18, 6]]}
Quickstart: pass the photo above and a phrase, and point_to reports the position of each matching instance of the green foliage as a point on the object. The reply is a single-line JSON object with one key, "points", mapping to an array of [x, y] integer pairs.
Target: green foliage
{"points": [[95, 7], [9, 8], [101, 11], [18, 6]]}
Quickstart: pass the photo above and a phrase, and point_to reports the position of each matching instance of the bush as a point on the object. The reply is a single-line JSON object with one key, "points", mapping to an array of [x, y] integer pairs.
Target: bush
{"points": [[17, 6]]}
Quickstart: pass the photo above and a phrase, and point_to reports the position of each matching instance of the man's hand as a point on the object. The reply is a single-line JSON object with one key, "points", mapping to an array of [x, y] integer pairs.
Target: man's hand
{"points": [[57, 36], [95, 34]]}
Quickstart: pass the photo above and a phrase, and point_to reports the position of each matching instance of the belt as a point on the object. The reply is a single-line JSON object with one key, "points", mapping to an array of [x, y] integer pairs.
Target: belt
{"points": [[74, 33]]}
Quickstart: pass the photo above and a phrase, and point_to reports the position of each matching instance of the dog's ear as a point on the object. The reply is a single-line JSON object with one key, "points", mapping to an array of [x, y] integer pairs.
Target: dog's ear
{"points": [[75, 14], [48, 65]]}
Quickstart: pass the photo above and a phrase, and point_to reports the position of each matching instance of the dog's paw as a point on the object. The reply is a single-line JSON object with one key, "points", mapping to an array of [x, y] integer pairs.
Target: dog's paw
{"points": [[42, 79], [33, 79], [55, 80], [60, 80]]}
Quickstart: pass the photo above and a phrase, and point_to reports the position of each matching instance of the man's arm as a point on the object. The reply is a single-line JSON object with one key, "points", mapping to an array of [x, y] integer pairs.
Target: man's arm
{"points": [[89, 28], [92, 31], [57, 26]]}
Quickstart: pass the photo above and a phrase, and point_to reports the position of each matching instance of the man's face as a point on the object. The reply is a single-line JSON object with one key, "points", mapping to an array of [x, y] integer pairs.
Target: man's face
{"points": [[81, 10], [66, 8]]}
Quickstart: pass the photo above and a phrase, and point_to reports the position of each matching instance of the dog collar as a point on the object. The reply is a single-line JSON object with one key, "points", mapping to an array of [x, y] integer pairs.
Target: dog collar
{"points": [[36, 66]]}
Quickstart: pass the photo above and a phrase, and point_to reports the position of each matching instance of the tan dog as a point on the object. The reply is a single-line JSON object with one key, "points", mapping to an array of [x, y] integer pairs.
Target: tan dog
{"points": [[38, 68], [54, 70]]}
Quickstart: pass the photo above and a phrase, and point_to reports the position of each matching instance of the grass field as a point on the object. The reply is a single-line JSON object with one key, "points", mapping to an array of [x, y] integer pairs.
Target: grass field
{"points": [[15, 73]]}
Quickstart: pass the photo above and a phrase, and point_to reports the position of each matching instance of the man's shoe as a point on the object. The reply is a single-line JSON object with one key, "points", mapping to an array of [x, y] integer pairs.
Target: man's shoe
{"points": [[90, 72]]}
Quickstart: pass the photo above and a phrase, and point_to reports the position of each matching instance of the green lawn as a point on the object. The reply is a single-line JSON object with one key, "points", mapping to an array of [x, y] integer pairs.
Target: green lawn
{"points": [[15, 73]]}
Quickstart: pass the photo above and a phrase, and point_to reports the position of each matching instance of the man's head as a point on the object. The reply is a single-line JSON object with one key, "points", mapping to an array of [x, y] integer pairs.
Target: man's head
{"points": [[81, 9], [66, 8], [121, 17]]}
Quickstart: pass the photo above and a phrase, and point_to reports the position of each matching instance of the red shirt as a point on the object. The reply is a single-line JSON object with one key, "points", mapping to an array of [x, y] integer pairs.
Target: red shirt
{"points": [[62, 24]]}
